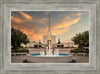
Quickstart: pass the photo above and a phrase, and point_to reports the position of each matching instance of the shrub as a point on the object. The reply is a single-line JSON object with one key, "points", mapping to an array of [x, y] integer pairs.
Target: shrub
{"points": [[62, 45], [35, 46], [19, 50], [25, 61], [78, 50], [87, 51], [72, 51], [84, 51]]}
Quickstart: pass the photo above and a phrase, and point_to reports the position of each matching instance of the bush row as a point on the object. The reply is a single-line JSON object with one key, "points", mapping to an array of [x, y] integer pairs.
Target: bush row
{"points": [[79, 51], [17, 50]]}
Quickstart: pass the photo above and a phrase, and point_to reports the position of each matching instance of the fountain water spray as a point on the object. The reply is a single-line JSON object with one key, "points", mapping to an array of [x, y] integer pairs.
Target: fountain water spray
{"points": [[49, 51], [49, 48]]}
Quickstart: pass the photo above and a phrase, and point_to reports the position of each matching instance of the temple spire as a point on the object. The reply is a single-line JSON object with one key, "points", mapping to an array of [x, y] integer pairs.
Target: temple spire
{"points": [[49, 29]]}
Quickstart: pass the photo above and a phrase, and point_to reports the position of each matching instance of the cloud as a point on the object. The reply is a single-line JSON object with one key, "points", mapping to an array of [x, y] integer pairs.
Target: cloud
{"points": [[40, 20], [62, 27], [59, 31], [35, 33], [47, 12], [44, 31], [53, 31], [78, 14], [30, 33], [25, 15], [29, 28], [37, 26], [16, 20], [78, 25], [68, 23]]}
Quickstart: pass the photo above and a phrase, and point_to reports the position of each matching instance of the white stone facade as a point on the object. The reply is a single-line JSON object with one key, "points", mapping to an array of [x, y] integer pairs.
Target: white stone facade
{"points": [[53, 39]]}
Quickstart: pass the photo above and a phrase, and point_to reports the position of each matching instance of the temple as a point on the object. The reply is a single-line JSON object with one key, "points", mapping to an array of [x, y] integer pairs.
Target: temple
{"points": [[49, 36]]}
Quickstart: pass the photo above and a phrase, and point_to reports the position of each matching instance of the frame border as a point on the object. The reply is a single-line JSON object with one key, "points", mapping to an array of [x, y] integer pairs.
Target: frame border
{"points": [[2, 64]]}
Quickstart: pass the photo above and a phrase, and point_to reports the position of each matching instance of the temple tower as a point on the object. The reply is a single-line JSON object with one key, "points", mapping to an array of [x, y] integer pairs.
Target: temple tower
{"points": [[49, 31], [49, 37]]}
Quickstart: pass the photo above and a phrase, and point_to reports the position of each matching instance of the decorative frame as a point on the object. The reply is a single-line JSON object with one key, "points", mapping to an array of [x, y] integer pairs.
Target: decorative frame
{"points": [[5, 44]]}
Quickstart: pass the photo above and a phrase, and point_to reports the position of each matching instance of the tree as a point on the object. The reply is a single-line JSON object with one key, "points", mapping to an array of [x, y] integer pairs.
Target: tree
{"points": [[82, 39], [59, 41], [18, 37], [60, 45], [39, 43], [35, 46]]}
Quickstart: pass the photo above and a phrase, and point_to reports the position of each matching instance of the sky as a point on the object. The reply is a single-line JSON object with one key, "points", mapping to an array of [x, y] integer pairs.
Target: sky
{"points": [[64, 24]]}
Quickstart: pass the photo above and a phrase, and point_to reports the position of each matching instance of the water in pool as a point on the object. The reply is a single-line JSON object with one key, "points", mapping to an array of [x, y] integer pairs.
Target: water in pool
{"points": [[44, 55]]}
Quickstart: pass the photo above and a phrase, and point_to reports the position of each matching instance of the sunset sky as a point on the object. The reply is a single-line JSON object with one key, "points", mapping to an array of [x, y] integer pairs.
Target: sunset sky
{"points": [[65, 24]]}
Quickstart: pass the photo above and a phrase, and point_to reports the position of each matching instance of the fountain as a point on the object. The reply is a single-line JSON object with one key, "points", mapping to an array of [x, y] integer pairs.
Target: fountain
{"points": [[50, 55], [49, 52]]}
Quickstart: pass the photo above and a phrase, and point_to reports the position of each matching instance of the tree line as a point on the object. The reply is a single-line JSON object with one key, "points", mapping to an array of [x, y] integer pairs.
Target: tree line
{"points": [[18, 37]]}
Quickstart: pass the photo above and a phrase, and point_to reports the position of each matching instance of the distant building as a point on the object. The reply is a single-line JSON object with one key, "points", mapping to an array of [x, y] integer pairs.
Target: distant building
{"points": [[53, 39], [30, 44], [70, 44], [49, 38]]}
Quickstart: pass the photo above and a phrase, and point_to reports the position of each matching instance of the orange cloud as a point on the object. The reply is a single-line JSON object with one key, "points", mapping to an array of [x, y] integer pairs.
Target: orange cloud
{"points": [[38, 36], [16, 20], [53, 31], [44, 31], [42, 21], [78, 14], [68, 18], [67, 24], [30, 33], [25, 15], [56, 30], [59, 31], [61, 28], [38, 21]]}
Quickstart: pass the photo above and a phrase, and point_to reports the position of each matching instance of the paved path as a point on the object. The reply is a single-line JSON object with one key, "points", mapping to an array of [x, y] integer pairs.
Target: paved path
{"points": [[78, 59], [81, 59]]}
